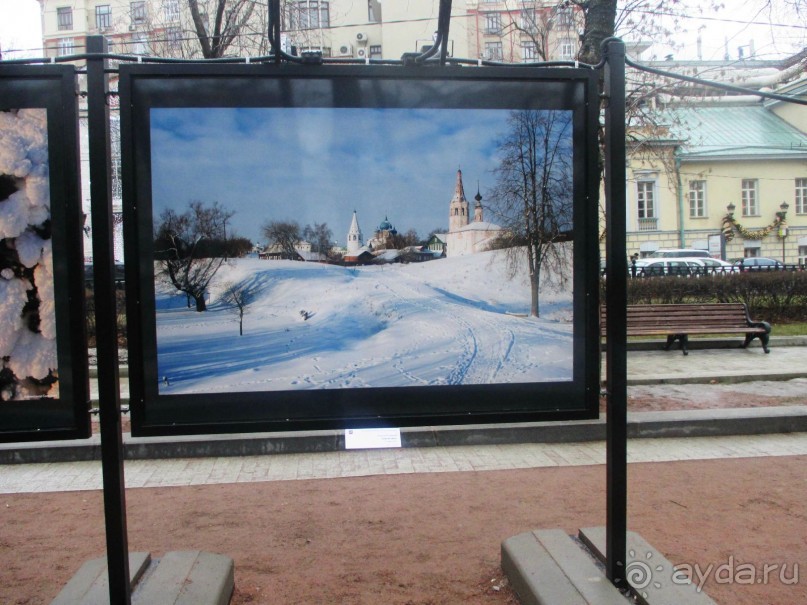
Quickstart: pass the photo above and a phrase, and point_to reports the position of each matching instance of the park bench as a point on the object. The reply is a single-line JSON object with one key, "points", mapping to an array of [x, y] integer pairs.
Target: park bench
{"points": [[677, 322]]}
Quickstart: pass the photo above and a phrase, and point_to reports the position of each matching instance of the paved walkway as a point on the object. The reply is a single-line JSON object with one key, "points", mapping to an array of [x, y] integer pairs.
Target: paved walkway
{"points": [[198, 471]]}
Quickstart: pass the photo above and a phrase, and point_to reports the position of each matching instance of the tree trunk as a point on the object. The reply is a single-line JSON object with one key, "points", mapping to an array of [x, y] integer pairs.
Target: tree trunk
{"points": [[600, 20], [200, 303]]}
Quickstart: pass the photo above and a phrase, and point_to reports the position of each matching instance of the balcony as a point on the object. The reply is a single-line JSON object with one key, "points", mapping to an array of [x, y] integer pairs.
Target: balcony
{"points": [[648, 224]]}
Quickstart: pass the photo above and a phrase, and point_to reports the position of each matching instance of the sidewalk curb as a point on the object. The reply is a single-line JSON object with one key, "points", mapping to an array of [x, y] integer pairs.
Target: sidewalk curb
{"points": [[641, 425]]}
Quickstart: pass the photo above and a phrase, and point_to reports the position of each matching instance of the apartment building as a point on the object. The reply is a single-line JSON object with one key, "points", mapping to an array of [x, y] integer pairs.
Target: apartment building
{"points": [[498, 30]]}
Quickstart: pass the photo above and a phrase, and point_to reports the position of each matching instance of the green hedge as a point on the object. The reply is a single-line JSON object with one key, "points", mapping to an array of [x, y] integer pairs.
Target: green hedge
{"points": [[776, 296]]}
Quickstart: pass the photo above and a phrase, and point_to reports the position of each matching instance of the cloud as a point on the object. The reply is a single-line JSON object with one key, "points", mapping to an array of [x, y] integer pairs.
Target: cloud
{"points": [[319, 164]]}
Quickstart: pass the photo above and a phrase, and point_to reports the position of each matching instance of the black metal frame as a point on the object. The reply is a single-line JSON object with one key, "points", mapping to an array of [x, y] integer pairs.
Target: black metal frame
{"points": [[53, 88], [143, 87]]}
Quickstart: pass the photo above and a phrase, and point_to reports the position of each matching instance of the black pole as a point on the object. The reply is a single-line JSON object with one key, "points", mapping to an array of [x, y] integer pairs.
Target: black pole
{"points": [[616, 302], [117, 547], [443, 24]]}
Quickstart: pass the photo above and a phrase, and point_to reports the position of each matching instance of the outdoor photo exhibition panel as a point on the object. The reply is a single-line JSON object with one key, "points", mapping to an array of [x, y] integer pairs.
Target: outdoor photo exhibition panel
{"points": [[44, 378], [271, 216]]}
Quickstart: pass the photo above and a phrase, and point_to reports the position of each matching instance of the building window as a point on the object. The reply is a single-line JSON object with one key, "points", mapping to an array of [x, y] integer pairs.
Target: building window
{"points": [[103, 16], [564, 18], [171, 10], [801, 196], [140, 45], [493, 23], [751, 250], [137, 12], [528, 21], [66, 47], [697, 199], [529, 52], [646, 205], [493, 51], [325, 50], [309, 14], [64, 17], [749, 197], [803, 255], [374, 11], [375, 51], [567, 49], [173, 35]]}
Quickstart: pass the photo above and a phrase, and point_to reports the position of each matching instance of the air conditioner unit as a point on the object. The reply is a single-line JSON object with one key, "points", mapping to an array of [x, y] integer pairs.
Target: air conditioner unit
{"points": [[346, 50], [361, 53], [361, 38]]}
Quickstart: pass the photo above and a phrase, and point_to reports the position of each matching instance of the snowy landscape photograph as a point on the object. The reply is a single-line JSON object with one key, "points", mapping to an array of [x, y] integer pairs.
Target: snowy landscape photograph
{"points": [[323, 248]]}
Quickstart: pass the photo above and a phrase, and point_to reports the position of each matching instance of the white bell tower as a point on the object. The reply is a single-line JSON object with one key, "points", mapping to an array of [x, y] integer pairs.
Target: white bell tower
{"points": [[354, 239]]}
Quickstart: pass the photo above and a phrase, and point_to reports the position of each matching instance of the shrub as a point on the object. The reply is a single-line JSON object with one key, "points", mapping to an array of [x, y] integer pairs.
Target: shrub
{"points": [[775, 296]]}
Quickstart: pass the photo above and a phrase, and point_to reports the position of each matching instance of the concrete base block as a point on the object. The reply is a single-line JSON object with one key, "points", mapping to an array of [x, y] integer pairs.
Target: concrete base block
{"points": [[548, 567], [180, 577], [651, 576], [90, 585]]}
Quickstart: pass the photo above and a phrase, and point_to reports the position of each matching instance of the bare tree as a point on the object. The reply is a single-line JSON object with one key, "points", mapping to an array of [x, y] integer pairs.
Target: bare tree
{"points": [[320, 237], [285, 234], [183, 251], [533, 192], [238, 297]]}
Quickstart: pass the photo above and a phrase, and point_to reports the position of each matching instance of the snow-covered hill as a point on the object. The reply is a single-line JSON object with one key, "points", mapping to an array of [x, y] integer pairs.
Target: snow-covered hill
{"points": [[449, 321]]}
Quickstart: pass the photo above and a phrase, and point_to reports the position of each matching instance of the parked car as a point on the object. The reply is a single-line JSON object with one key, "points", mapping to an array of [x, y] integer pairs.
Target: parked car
{"points": [[715, 266], [682, 267], [759, 263], [680, 253]]}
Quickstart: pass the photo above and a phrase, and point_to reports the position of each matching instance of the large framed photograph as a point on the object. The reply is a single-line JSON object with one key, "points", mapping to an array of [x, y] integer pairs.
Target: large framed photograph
{"points": [[314, 247], [44, 385]]}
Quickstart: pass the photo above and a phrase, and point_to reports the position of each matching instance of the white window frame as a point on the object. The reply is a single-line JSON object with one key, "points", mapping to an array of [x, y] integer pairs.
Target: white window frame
{"points": [[566, 48], [309, 14], [494, 51], [529, 51], [801, 196], [375, 51], [171, 11], [646, 209], [66, 46], [749, 193], [697, 199]]}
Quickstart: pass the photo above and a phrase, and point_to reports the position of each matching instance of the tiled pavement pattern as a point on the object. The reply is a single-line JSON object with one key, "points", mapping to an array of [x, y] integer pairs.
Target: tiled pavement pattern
{"points": [[197, 471]]}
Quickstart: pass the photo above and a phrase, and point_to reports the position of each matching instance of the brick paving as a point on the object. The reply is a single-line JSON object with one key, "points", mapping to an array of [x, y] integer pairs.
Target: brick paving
{"points": [[76, 476]]}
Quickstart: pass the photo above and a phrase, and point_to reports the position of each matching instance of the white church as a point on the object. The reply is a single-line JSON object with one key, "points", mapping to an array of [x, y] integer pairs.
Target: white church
{"points": [[465, 236]]}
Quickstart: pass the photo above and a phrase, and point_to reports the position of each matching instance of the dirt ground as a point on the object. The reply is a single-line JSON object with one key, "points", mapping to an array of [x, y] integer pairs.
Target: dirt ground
{"points": [[424, 539], [429, 539]]}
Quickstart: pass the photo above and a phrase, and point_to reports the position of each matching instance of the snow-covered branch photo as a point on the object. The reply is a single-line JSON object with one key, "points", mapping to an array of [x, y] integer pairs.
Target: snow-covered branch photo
{"points": [[313, 248], [27, 307]]}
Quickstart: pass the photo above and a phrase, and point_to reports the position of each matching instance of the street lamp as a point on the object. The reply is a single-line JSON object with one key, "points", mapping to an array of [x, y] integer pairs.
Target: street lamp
{"points": [[731, 208], [783, 227]]}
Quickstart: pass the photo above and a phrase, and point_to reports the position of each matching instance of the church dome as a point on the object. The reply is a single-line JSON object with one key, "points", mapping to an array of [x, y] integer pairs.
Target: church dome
{"points": [[386, 225]]}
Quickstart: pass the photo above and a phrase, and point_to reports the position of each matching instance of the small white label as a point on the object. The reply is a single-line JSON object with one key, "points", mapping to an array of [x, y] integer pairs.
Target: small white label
{"points": [[357, 439]]}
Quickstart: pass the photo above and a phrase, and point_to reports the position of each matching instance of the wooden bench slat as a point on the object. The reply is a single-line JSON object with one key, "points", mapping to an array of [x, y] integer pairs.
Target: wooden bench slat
{"points": [[676, 321]]}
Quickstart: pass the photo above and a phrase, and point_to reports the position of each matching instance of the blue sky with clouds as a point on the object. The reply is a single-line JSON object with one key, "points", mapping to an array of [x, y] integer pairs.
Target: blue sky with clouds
{"points": [[318, 165]]}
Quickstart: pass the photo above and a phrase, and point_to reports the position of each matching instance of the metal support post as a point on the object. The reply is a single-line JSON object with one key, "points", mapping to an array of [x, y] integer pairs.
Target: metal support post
{"points": [[616, 302], [117, 546]]}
